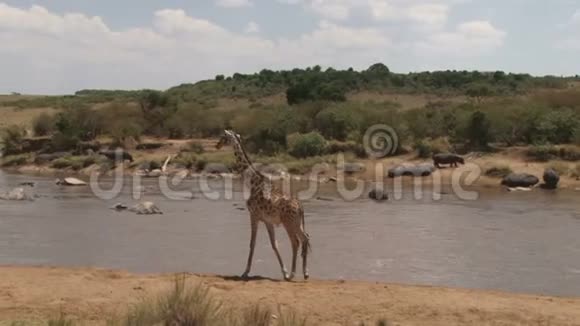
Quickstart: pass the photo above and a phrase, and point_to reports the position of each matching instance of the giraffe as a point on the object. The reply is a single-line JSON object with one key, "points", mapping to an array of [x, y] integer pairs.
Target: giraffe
{"points": [[272, 207]]}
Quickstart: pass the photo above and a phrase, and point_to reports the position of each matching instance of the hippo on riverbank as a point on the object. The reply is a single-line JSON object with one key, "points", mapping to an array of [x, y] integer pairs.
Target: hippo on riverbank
{"points": [[515, 180], [447, 158], [551, 179]]}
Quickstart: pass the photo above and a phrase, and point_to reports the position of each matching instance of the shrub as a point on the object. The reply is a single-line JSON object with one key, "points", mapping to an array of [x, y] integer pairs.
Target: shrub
{"points": [[569, 153], [180, 306], [188, 161], [542, 153], [73, 162], [12, 140], [560, 167], [426, 147], [334, 147], [200, 164], [306, 145], [575, 171], [498, 171], [43, 125], [14, 160], [64, 142], [423, 149], [195, 147]]}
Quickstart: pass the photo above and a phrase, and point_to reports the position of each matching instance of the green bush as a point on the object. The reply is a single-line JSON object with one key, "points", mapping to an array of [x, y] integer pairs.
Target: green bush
{"points": [[188, 161], [12, 140], [43, 125], [306, 145], [334, 147], [195, 147], [14, 160], [542, 153], [423, 149]]}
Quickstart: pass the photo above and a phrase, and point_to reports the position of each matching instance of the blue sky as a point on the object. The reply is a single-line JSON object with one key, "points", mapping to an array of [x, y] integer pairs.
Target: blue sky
{"points": [[58, 46]]}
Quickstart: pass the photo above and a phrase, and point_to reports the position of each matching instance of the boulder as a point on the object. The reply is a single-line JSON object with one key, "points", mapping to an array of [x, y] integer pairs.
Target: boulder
{"points": [[551, 179], [352, 168], [419, 170], [70, 182], [516, 180]]}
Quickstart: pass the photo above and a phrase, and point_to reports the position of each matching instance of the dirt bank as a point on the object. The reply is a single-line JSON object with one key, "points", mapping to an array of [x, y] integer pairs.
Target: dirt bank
{"points": [[91, 295]]}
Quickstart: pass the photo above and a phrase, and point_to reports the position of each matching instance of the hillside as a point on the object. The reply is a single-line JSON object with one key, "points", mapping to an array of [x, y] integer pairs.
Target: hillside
{"points": [[304, 116]]}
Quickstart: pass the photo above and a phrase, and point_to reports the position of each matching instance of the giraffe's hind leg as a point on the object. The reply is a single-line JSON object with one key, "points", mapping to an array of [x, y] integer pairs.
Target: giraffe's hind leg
{"points": [[305, 240]]}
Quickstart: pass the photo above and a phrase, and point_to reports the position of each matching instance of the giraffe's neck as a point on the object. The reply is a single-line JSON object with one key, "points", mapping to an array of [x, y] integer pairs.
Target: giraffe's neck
{"points": [[257, 179]]}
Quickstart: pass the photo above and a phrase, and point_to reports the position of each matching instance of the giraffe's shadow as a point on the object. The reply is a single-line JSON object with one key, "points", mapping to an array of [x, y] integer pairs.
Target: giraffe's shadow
{"points": [[237, 278]]}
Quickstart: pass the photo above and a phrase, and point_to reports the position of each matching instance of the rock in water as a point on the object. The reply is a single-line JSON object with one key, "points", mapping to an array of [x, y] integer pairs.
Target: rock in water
{"points": [[16, 194], [551, 178], [119, 207], [70, 182], [378, 194], [515, 180], [145, 208]]}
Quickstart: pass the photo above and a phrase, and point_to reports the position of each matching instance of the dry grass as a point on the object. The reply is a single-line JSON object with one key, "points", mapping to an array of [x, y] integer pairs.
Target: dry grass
{"points": [[22, 117]]}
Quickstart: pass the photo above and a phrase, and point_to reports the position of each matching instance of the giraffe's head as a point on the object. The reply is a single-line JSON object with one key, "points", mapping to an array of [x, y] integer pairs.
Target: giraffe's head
{"points": [[229, 138]]}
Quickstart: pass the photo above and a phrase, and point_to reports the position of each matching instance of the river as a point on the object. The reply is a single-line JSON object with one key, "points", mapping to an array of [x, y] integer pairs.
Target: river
{"points": [[521, 242]]}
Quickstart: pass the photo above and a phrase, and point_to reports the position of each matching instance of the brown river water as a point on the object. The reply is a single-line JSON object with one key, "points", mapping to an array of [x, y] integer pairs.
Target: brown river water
{"points": [[522, 242]]}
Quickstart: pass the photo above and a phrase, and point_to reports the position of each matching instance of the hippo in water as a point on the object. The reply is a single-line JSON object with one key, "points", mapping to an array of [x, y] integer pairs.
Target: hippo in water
{"points": [[524, 180], [447, 158], [551, 179]]}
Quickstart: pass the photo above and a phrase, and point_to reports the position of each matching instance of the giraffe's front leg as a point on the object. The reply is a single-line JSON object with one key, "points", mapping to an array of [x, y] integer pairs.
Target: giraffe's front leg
{"points": [[252, 246], [274, 244]]}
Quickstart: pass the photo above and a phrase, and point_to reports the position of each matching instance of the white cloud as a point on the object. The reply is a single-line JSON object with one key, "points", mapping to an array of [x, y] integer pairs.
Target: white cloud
{"points": [[51, 53], [576, 17], [289, 2], [423, 12], [470, 38], [252, 27], [234, 3], [571, 30]]}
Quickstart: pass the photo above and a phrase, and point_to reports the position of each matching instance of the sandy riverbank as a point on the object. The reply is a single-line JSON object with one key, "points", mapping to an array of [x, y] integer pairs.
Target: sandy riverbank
{"points": [[93, 295]]}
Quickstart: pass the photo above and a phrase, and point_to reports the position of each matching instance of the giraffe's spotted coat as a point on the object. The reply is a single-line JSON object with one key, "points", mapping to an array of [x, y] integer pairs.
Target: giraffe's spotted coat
{"points": [[271, 206]]}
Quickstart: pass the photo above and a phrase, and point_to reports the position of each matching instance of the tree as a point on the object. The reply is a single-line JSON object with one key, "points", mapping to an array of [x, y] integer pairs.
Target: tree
{"points": [[479, 91], [478, 130], [306, 145]]}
